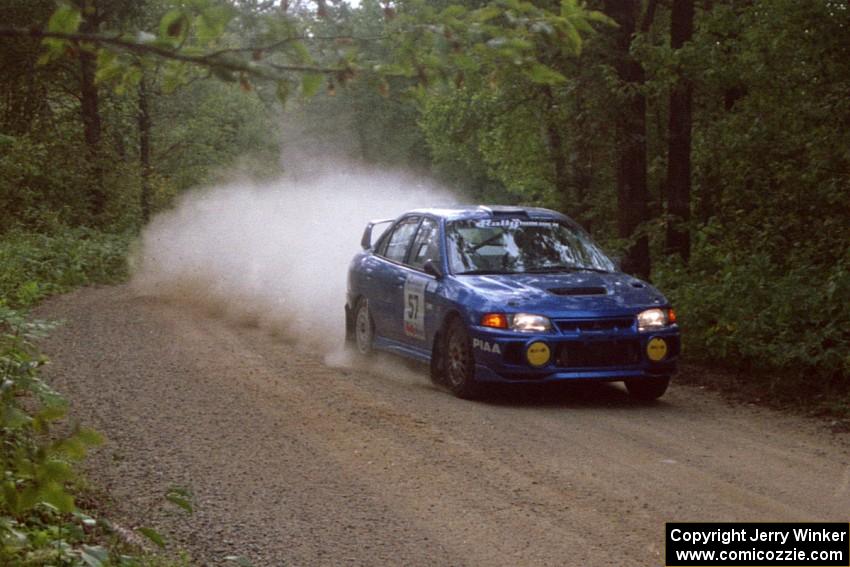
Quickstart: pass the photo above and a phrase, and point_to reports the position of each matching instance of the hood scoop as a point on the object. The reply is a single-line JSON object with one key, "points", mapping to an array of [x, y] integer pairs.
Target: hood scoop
{"points": [[588, 290]]}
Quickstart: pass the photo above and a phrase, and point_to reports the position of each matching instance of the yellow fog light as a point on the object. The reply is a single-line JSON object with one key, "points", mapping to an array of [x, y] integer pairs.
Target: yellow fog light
{"points": [[656, 349], [538, 353]]}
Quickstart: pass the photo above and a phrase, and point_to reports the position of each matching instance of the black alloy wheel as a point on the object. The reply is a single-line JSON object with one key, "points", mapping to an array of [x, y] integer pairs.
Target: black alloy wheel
{"points": [[459, 361]]}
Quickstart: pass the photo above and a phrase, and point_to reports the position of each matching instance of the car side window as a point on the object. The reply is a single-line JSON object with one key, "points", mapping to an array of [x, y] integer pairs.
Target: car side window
{"points": [[399, 241], [426, 246]]}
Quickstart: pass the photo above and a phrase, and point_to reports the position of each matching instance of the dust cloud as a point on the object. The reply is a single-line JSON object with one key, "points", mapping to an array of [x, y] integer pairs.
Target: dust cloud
{"points": [[274, 254]]}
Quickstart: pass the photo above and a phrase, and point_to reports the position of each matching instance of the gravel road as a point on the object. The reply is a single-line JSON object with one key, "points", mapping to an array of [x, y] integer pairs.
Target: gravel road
{"points": [[292, 462]]}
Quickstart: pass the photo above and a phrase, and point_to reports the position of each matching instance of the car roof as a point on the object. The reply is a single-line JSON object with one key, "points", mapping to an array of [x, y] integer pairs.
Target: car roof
{"points": [[489, 211]]}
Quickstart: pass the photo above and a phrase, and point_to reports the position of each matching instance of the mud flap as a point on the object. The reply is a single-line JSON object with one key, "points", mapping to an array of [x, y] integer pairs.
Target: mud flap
{"points": [[349, 325]]}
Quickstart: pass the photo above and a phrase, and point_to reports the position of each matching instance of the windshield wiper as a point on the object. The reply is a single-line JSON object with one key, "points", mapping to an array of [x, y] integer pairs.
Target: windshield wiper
{"points": [[564, 268], [491, 240], [482, 272]]}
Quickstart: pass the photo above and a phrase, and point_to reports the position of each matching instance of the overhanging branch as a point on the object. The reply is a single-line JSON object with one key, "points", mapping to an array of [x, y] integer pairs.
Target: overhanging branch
{"points": [[219, 60]]}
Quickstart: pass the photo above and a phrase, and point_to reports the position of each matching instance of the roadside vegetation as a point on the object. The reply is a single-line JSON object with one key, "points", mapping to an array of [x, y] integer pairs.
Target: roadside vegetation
{"points": [[703, 142]]}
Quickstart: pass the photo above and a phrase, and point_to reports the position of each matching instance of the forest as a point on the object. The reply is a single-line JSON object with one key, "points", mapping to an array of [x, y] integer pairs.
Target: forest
{"points": [[704, 143]]}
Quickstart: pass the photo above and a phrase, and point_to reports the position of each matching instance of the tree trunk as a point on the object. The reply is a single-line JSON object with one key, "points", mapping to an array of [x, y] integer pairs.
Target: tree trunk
{"points": [[555, 145], [632, 190], [678, 239], [90, 114], [144, 150], [582, 165]]}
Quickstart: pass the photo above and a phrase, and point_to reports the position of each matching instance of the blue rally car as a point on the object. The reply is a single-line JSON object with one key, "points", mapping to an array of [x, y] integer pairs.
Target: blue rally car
{"points": [[506, 294]]}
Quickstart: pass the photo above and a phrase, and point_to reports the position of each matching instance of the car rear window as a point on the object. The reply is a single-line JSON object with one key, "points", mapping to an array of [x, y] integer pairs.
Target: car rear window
{"points": [[399, 241]]}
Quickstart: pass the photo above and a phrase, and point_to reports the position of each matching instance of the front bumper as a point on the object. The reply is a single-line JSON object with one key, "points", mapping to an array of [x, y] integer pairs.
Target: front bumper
{"points": [[502, 356]]}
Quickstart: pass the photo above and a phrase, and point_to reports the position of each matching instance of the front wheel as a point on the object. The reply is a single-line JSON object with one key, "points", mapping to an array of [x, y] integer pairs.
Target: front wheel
{"points": [[648, 389], [459, 361]]}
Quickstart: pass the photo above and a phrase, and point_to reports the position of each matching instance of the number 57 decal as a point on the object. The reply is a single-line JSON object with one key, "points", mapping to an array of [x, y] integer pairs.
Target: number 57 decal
{"points": [[412, 306], [414, 300]]}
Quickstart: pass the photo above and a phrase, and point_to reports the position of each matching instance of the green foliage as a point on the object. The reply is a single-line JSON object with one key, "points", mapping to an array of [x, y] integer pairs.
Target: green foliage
{"points": [[180, 497], [491, 133], [40, 523], [154, 536], [741, 310], [36, 265], [500, 39], [767, 287], [36, 467]]}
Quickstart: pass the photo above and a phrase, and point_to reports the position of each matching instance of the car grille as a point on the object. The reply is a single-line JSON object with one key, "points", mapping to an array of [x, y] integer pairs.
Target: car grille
{"points": [[585, 325], [597, 354]]}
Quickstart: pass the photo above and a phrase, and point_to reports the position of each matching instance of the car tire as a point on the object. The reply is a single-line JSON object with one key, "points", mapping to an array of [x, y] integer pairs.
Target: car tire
{"points": [[458, 361], [437, 367], [648, 389], [364, 329]]}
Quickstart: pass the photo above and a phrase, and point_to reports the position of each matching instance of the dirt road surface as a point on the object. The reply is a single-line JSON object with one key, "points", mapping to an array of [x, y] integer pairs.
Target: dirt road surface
{"points": [[292, 462]]}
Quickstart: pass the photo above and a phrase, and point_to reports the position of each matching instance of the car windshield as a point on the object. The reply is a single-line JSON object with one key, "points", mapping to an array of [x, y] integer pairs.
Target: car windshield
{"points": [[510, 246]]}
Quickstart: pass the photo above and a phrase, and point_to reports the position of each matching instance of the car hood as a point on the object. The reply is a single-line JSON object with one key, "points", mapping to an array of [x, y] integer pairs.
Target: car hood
{"points": [[563, 294]]}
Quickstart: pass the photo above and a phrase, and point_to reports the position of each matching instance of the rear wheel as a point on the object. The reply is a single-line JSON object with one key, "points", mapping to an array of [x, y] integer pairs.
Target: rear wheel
{"points": [[648, 389], [459, 361], [364, 329]]}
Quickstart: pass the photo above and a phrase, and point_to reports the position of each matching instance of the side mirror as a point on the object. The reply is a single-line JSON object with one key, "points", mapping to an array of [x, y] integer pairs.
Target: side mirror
{"points": [[432, 269]]}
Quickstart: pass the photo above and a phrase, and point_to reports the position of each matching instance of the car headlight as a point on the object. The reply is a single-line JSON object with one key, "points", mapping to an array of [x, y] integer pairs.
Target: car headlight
{"points": [[527, 323], [652, 319]]}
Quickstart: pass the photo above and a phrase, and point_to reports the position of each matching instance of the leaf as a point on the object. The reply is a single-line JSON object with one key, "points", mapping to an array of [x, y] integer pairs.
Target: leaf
{"points": [[14, 418], [94, 555], [64, 20], [174, 24], [55, 495], [56, 471], [54, 49], [174, 75], [180, 497], [543, 75], [212, 23], [240, 560], [109, 68], [573, 36], [301, 54], [29, 292], [85, 519], [11, 496], [310, 84], [90, 437], [596, 16], [153, 535], [486, 14], [71, 447]]}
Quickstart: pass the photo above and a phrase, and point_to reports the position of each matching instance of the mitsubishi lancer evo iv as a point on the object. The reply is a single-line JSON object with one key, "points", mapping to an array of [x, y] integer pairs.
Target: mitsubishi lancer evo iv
{"points": [[507, 295]]}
